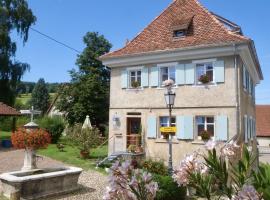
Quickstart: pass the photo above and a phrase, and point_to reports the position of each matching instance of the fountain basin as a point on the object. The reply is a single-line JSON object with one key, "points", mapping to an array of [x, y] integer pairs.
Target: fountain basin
{"points": [[39, 183]]}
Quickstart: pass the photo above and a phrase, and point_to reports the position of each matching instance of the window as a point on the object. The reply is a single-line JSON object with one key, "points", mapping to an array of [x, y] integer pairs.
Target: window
{"points": [[167, 73], [205, 69], [178, 33], [204, 123], [164, 122], [135, 78]]}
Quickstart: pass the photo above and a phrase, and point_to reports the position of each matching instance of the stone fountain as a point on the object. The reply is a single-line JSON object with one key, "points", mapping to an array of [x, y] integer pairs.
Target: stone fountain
{"points": [[34, 183]]}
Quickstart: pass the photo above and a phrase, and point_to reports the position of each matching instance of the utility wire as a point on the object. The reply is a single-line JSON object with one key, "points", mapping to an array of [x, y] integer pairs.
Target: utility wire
{"points": [[61, 43]]}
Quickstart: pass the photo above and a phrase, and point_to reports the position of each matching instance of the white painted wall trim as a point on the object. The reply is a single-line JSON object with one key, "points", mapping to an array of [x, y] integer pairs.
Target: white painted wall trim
{"points": [[204, 61]]}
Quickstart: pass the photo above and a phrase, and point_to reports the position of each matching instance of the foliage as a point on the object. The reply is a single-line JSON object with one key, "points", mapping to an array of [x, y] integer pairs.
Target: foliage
{"points": [[40, 96], [15, 15], [86, 138], [155, 167], [205, 135], [88, 92], [54, 125], [6, 123], [125, 182], [5, 135], [131, 148], [33, 139], [214, 176], [168, 189], [261, 180], [204, 79]]}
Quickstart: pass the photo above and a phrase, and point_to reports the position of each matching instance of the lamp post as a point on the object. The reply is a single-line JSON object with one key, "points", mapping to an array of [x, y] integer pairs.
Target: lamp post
{"points": [[169, 98]]}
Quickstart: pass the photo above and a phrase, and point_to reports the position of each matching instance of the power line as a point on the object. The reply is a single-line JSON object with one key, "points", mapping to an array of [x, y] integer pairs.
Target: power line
{"points": [[61, 43]]}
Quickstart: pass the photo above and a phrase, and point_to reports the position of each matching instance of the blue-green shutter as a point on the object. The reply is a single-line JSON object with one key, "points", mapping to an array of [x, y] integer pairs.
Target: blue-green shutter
{"points": [[250, 85], [180, 74], [180, 126], [219, 67], [250, 127], [244, 77], [145, 77], [124, 78], [154, 77], [222, 128], [190, 73], [246, 128], [184, 125], [151, 127]]}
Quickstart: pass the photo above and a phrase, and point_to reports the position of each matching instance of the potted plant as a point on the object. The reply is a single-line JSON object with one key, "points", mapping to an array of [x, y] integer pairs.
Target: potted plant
{"points": [[135, 84], [139, 149], [85, 139], [205, 135], [131, 148], [204, 79]]}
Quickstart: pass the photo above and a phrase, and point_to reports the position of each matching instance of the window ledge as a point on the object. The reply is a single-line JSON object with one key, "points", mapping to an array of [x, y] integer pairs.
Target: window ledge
{"points": [[134, 89], [198, 142], [174, 141], [164, 88], [205, 85]]}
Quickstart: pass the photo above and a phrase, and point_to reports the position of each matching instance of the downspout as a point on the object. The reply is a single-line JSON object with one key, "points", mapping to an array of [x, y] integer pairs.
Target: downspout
{"points": [[237, 92]]}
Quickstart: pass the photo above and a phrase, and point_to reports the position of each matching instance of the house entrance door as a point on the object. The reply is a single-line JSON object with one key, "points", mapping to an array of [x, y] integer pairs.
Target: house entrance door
{"points": [[133, 131]]}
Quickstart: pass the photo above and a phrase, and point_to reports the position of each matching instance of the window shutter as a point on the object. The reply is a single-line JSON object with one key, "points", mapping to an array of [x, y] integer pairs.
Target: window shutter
{"points": [[222, 128], [180, 127], [152, 127], [180, 74], [145, 77], [244, 77], [124, 78], [254, 127], [219, 67], [154, 77], [184, 125], [190, 73], [250, 127], [246, 128]]}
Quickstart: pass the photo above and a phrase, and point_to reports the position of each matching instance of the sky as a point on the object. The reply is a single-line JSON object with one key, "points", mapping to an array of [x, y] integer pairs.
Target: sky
{"points": [[119, 20]]}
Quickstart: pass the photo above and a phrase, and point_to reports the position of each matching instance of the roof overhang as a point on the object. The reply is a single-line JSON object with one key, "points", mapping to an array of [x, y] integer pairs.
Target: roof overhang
{"points": [[242, 49]]}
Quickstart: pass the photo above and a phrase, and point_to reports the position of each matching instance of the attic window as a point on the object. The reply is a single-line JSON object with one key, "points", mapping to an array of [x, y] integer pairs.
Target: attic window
{"points": [[179, 33]]}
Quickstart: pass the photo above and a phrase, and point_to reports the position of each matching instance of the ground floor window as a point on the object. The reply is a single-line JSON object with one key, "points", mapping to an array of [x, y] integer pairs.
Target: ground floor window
{"points": [[164, 122], [205, 123]]}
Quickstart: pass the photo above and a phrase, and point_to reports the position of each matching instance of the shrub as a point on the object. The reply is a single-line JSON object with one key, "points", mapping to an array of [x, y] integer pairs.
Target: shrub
{"points": [[168, 189], [54, 125], [34, 139], [261, 180], [155, 167], [6, 124]]}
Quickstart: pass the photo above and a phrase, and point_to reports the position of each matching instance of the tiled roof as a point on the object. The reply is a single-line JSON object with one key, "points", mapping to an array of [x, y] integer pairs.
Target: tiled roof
{"points": [[205, 29], [263, 120], [7, 110]]}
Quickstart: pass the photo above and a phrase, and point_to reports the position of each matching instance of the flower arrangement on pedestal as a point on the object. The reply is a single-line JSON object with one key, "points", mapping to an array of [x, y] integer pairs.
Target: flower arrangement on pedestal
{"points": [[30, 139], [204, 79]]}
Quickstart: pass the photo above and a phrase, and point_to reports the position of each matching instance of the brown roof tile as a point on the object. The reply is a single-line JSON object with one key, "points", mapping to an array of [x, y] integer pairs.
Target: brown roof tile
{"points": [[7, 110], [204, 29], [263, 120]]}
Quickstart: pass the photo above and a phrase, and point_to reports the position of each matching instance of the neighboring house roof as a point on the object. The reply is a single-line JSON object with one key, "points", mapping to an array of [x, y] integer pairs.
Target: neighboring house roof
{"points": [[263, 120], [203, 29], [6, 110]]}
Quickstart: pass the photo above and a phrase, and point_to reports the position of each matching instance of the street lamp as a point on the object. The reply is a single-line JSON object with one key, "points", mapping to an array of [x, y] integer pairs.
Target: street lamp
{"points": [[169, 98]]}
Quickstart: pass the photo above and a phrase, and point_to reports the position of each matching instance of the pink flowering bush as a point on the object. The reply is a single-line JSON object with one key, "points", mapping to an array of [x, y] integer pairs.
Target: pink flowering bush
{"points": [[215, 174], [248, 192], [127, 183]]}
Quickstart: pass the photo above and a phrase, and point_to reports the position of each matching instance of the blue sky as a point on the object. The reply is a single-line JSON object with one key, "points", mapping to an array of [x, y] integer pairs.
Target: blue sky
{"points": [[69, 20]]}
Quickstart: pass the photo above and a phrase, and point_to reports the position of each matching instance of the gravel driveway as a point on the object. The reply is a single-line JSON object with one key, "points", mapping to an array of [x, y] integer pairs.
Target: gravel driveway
{"points": [[92, 183]]}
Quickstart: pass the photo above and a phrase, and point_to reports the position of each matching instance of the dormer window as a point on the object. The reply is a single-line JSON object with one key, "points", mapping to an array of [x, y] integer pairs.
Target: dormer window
{"points": [[179, 33]]}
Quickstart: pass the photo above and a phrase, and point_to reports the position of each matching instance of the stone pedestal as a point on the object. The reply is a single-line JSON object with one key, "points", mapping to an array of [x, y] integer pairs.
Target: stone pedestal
{"points": [[29, 160]]}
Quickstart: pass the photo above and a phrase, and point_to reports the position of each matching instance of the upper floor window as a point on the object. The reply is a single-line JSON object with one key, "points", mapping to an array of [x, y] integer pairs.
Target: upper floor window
{"points": [[179, 33], [204, 73], [135, 78], [205, 123], [167, 73]]}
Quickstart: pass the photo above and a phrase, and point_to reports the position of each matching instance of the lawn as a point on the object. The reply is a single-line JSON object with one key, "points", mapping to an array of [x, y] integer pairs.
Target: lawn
{"points": [[24, 98], [71, 155], [4, 135]]}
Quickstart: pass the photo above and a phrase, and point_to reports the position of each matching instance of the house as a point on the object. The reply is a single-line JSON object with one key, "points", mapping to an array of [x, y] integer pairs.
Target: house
{"points": [[263, 125], [183, 43]]}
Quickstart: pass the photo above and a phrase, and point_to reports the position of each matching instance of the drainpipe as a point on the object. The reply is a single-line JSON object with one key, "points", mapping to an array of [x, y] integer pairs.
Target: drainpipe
{"points": [[237, 92]]}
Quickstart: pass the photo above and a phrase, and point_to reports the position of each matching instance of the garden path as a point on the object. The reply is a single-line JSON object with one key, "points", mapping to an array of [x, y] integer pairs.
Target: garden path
{"points": [[92, 183]]}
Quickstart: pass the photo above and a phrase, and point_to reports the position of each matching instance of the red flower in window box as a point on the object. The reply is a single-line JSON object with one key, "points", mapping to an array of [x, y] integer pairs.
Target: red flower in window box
{"points": [[204, 79], [30, 139]]}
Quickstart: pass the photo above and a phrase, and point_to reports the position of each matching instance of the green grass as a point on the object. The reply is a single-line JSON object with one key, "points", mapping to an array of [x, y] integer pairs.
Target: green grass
{"points": [[24, 98], [4, 135], [71, 155]]}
